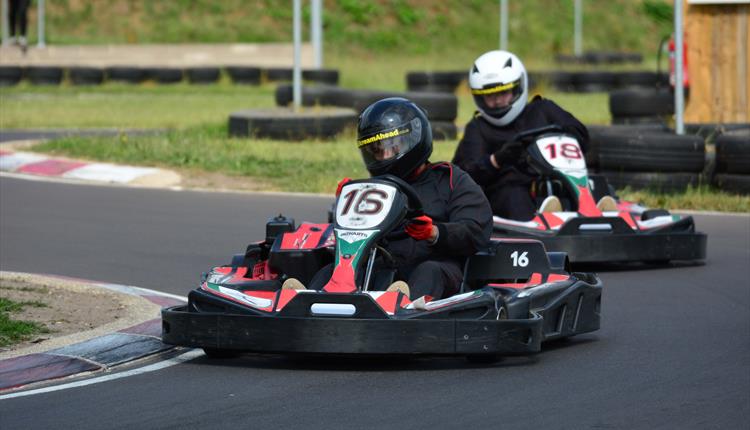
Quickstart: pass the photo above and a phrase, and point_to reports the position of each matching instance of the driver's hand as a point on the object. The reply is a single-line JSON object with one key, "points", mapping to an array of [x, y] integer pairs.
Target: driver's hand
{"points": [[341, 185], [421, 228], [509, 153]]}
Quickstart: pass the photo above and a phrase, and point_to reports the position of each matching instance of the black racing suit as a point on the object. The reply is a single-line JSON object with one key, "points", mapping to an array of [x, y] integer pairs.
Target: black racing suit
{"points": [[508, 188], [462, 215]]}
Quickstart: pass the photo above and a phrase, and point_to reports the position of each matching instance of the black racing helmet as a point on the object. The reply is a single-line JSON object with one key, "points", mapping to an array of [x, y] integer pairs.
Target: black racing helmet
{"points": [[394, 137]]}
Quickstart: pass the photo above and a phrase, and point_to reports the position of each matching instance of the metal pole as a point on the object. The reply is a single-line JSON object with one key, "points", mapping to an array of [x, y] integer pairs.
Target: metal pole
{"points": [[40, 26], [316, 32], [297, 72], [578, 29], [679, 93], [504, 25], [4, 24]]}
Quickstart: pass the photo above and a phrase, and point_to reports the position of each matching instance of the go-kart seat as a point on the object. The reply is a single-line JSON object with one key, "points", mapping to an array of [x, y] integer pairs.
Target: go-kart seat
{"points": [[511, 261]]}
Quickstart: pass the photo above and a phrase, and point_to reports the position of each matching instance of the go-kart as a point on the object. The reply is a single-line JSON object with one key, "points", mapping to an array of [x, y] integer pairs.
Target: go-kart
{"points": [[514, 295], [587, 220]]}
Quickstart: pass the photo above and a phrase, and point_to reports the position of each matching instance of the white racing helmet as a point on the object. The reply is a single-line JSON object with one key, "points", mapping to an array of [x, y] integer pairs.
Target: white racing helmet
{"points": [[495, 72]]}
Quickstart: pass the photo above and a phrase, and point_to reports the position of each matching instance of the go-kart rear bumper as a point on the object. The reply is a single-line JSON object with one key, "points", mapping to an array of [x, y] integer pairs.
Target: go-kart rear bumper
{"points": [[627, 248], [621, 244], [328, 335]]}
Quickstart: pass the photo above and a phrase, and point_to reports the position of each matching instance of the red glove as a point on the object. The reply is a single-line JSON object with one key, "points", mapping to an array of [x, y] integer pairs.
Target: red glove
{"points": [[341, 185], [420, 228]]}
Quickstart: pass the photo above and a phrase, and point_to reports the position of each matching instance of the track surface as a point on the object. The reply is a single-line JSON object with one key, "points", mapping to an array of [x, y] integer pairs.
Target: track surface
{"points": [[673, 352]]}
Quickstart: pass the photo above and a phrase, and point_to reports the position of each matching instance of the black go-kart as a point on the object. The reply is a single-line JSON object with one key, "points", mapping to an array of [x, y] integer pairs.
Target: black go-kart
{"points": [[580, 214], [514, 296]]}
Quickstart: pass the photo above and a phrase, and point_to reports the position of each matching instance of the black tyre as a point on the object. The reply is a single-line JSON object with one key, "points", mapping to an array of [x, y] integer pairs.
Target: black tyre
{"points": [[244, 75], [562, 81], [322, 76], [129, 75], [44, 75], [85, 75], [220, 354], [733, 153], [165, 75], [203, 75], [439, 106], [10, 75], [662, 182], [739, 184], [443, 130], [636, 80], [657, 152], [286, 124], [279, 74], [641, 103], [639, 121], [590, 82]]}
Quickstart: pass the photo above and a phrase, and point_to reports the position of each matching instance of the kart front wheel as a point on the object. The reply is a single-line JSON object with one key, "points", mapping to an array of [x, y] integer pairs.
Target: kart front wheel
{"points": [[220, 353]]}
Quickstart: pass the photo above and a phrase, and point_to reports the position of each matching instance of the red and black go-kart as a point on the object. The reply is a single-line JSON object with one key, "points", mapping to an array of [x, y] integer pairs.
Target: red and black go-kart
{"points": [[580, 214], [514, 296]]}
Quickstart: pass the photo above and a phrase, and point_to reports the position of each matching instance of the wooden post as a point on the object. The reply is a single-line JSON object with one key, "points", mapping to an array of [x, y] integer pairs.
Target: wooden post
{"points": [[718, 39]]}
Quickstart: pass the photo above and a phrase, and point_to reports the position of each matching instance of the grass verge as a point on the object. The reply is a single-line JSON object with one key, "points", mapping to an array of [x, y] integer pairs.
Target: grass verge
{"points": [[14, 331], [306, 166]]}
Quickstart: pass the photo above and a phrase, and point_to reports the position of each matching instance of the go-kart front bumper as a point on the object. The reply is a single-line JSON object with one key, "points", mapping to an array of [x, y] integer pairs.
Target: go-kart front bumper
{"points": [[326, 335]]}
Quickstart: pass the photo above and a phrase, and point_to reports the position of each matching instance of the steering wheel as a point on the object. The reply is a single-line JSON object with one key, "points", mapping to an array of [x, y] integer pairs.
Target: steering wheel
{"points": [[413, 210], [522, 136]]}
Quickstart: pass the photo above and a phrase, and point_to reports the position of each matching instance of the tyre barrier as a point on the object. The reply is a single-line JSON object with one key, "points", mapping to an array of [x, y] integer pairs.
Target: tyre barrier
{"points": [[600, 57], [732, 171], [44, 75], [440, 82], [440, 107], [641, 106], [10, 75], [444, 130], [285, 124], [648, 156], [125, 74], [165, 75], [85, 75], [284, 74], [244, 75], [566, 81], [203, 75]]}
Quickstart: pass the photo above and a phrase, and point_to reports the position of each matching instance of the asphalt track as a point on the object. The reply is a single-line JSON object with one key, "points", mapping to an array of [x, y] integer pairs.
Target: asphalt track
{"points": [[673, 352]]}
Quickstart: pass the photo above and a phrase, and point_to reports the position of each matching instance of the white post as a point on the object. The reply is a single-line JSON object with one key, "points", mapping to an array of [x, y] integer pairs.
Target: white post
{"points": [[4, 24], [679, 93], [504, 25], [578, 29], [316, 32], [297, 71], [40, 26]]}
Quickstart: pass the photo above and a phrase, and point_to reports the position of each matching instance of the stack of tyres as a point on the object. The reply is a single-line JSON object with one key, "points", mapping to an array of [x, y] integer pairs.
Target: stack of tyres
{"points": [[732, 172], [641, 106], [442, 108], [649, 159]]}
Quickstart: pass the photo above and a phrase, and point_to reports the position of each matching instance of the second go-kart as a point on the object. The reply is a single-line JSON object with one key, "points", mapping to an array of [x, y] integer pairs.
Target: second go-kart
{"points": [[514, 296], [580, 214]]}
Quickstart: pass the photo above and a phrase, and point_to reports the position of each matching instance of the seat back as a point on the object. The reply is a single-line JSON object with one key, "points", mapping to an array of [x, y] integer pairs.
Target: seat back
{"points": [[507, 260]]}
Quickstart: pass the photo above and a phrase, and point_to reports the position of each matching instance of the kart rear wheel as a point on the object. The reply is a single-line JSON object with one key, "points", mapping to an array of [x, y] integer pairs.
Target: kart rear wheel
{"points": [[217, 353]]}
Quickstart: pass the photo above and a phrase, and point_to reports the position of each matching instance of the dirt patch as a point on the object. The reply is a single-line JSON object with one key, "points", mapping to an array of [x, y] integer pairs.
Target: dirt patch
{"points": [[73, 312]]}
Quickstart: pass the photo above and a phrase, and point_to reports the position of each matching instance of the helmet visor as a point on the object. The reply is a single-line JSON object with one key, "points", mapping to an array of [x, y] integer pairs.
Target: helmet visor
{"points": [[497, 99], [391, 144]]}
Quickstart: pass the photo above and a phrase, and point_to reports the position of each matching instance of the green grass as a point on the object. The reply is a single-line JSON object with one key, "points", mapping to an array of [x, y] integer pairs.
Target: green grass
{"points": [[126, 106], [307, 166], [448, 30], [13, 331]]}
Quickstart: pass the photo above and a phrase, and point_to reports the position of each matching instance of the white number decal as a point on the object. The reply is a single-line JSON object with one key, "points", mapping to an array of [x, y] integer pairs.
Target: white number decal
{"points": [[521, 260]]}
